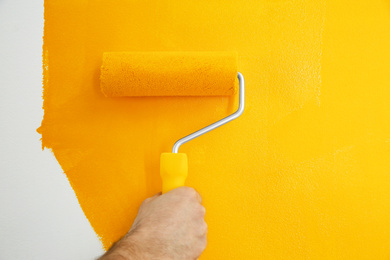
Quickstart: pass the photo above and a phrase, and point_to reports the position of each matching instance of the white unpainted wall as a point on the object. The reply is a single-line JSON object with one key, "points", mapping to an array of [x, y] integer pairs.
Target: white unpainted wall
{"points": [[40, 217]]}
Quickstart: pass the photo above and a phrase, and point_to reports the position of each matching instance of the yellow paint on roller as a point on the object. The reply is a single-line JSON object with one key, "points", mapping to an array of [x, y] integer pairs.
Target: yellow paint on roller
{"points": [[169, 74], [304, 173]]}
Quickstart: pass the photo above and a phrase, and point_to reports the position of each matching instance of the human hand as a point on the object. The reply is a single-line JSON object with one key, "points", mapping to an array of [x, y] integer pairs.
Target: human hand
{"points": [[168, 226]]}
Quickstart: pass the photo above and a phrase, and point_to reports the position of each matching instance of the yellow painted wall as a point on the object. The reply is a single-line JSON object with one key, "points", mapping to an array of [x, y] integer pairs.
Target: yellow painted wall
{"points": [[303, 174]]}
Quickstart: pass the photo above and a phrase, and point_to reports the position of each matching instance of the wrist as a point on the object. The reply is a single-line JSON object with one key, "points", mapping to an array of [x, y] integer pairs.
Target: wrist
{"points": [[125, 249]]}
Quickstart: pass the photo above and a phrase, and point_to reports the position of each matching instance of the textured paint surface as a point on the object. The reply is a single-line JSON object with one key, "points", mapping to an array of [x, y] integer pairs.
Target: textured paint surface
{"points": [[304, 173]]}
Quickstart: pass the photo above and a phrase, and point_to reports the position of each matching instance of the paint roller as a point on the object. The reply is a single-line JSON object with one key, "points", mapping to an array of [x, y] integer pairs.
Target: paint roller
{"points": [[143, 74]]}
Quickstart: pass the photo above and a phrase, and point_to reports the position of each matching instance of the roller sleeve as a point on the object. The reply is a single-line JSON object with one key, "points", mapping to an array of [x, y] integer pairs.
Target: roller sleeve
{"points": [[169, 74]]}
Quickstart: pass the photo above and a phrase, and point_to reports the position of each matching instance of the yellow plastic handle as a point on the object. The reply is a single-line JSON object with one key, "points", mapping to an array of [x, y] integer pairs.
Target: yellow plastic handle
{"points": [[173, 170]]}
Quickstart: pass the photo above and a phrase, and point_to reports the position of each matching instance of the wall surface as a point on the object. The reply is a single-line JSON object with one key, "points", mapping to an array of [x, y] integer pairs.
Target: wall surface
{"points": [[40, 217], [304, 173]]}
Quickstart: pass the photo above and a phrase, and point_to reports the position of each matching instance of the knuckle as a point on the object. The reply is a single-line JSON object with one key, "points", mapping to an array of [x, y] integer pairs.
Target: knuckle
{"points": [[202, 210], [204, 243], [205, 227], [201, 245], [189, 192]]}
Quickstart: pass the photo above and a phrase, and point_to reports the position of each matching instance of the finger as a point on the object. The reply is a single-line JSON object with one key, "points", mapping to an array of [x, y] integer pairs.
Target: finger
{"points": [[198, 197], [204, 228], [202, 211]]}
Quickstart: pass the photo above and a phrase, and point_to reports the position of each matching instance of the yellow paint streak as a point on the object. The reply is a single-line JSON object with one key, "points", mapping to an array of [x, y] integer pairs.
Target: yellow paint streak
{"points": [[303, 174]]}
